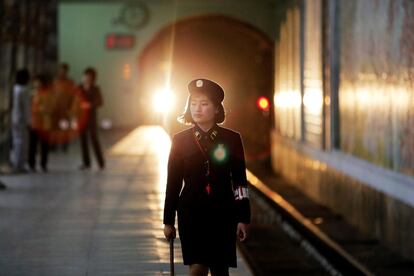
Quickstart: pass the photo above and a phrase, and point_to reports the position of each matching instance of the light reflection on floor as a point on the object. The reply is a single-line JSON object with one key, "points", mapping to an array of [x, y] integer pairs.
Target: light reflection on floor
{"points": [[155, 143], [151, 140]]}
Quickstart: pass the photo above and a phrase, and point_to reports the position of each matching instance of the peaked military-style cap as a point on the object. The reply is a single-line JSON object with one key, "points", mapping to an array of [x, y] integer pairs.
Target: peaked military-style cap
{"points": [[207, 86]]}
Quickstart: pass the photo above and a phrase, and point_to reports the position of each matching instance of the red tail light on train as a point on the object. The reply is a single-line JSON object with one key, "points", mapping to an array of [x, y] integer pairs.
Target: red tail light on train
{"points": [[263, 103]]}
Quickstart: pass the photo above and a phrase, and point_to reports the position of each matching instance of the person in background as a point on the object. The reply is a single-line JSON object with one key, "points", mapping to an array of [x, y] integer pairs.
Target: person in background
{"points": [[41, 123], [20, 118], [91, 100], [64, 90]]}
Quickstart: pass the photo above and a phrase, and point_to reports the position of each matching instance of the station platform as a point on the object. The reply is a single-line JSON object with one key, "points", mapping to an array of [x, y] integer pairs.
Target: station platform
{"points": [[109, 222]]}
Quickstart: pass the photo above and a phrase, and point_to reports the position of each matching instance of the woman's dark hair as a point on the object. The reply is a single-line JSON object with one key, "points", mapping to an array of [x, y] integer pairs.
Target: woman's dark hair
{"points": [[186, 118], [64, 66], [22, 77], [91, 72]]}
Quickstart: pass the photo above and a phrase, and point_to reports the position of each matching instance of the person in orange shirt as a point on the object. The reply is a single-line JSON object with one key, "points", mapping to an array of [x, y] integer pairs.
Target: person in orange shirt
{"points": [[64, 90]]}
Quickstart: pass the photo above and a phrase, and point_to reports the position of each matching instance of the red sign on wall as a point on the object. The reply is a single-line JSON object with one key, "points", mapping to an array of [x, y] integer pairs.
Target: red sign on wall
{"points": [[120, 41]]}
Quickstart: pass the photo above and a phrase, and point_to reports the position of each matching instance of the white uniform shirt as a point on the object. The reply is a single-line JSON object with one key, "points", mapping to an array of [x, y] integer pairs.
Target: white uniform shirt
{"points": [[21, 105]]}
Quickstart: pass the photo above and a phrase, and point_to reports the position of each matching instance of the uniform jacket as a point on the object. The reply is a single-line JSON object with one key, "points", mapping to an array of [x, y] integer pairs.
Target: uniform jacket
{"points": [[207, 221]]}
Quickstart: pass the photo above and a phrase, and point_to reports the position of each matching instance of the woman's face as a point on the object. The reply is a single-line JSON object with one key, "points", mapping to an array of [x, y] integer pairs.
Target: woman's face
{"points": [[202, 109], [87, 79]]}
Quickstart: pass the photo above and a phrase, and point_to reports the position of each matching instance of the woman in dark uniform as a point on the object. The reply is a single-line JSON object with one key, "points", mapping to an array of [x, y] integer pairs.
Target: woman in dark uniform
{"points": [[207, 184]]}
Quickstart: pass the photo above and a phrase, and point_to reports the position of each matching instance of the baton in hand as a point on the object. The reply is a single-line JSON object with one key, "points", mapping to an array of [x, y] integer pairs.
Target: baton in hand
{"points": [[172, 256]]}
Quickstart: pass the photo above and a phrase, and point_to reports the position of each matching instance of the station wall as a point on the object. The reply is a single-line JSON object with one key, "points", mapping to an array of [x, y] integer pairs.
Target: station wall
{"points": [[27, 40], [360, 87]]}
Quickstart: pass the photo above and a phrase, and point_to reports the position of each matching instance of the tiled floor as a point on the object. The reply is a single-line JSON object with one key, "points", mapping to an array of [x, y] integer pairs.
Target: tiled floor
{"points": [[70, 222]]}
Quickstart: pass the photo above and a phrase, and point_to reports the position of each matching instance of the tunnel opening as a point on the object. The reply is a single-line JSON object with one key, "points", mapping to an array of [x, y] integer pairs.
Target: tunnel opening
{"points": [[233, 53]]}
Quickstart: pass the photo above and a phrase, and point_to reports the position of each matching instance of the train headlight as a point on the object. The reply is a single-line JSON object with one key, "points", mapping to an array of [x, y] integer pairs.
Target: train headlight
{"points": [[163, 100]]}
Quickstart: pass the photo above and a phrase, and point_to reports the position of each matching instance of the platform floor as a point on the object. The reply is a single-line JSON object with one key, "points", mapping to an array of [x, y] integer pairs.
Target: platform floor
{"points": [[71, 222]]}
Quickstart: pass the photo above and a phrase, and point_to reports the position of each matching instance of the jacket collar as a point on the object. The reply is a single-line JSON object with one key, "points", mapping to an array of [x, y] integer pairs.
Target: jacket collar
{"points": [[211, 133]]}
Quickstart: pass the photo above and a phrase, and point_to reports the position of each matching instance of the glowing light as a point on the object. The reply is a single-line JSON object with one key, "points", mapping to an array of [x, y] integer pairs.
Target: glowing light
{"points": [[316, 165], [106, 124], [110, 41], [63, 124], [287, 99], [127, 71], [364, 97], [220, 153], [74, 124], [313, 100], [119, 41], [263, 103], [166, 66], [163, 100]]}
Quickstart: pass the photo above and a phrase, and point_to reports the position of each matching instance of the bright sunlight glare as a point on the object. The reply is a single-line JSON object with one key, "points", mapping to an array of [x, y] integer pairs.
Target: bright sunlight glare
{"points": [[163, 100]]}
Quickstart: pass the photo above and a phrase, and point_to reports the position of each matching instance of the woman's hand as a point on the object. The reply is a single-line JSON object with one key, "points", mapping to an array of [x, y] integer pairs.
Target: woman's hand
{"points": [[169, 232], [242, 229]]}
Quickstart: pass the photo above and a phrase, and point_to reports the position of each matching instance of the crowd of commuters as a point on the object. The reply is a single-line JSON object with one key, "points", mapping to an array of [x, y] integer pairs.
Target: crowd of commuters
{"points": [[50, 113]]}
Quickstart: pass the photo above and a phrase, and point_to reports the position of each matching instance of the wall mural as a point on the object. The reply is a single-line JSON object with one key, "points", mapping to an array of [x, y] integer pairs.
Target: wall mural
{"points": [[376, 92]]}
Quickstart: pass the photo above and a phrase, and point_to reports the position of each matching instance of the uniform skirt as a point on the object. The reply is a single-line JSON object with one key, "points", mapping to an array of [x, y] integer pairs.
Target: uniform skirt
{"points": [[208, 234]]}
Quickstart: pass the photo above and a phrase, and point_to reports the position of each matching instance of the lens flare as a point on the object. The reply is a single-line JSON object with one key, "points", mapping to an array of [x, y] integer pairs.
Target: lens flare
{"points": [[220, 153], [106, 124], [163, 100], [64, 124]]}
